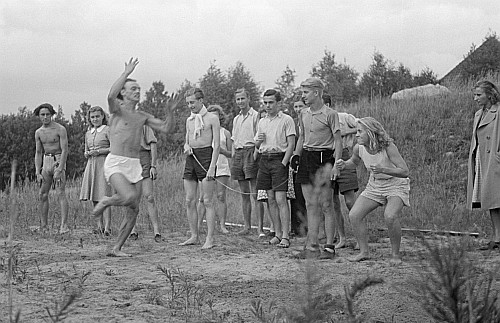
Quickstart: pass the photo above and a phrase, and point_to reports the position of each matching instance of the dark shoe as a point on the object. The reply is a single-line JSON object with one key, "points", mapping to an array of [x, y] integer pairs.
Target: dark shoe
{"points": [[490, 246], [107, 233], [284, 243], [133, 236], [328, 252], [158, 237]]}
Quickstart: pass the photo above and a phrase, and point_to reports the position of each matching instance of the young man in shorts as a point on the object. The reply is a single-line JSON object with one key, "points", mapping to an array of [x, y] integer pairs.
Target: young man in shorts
{"points": [[319, 138], [122, 167], [245, 166], [202, 129], [276, 141], [50, 163], [347, 181], [148, 156]]}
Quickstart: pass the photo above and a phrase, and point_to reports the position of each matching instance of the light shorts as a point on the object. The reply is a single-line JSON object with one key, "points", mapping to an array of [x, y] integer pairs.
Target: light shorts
{"points": [[379, 190], [129, 167]]}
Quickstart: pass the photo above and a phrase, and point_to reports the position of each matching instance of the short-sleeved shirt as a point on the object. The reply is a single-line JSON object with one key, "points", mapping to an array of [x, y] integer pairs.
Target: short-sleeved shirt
{"points": [[244, 129], [276, 130], [347, 121], [148, 137], [318, 128]]}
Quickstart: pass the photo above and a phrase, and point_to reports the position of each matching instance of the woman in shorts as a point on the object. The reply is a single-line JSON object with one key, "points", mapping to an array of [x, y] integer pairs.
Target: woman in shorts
{"points": [[388, 184]]}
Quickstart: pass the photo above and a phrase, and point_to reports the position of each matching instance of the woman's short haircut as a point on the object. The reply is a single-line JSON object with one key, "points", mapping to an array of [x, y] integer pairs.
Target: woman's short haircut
{"points": [[197, 92], [490, 89], [95, 109], [44, 106]]}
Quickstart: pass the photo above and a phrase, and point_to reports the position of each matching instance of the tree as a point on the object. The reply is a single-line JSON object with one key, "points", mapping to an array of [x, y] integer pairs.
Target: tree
{"points": [[286, 85], [214, 86], [341, 80]]}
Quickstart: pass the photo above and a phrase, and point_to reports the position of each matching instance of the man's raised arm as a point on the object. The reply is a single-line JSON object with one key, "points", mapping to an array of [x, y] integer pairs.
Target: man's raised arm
{"points": [[168, 124], [119, 83]]}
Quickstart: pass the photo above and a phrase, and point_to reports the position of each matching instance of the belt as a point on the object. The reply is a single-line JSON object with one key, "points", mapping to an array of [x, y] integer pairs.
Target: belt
{"points": [[52, 155], [245, 148]]}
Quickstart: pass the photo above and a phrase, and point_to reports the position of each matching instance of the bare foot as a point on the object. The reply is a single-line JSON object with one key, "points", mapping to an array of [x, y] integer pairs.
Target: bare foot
{"points": [[209, 243], [63, 230], [356, 247], [224, 230], [341, 244], [118, 253], [395, 261], [359, 258], [190, 242]]}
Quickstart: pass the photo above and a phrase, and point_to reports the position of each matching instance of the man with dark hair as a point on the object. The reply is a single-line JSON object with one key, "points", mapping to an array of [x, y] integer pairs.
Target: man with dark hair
{"points": [[50, 163], [276, 140], [319, 138], [202, 130], [122, 167], [245, 166]]}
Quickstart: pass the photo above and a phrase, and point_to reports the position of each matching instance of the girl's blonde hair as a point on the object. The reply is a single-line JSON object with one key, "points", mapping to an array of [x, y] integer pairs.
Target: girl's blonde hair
{"points": [[379, 139]]}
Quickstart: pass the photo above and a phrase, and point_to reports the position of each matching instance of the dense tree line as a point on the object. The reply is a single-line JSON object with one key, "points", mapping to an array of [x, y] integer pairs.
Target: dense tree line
{"points": [[382, 78]]}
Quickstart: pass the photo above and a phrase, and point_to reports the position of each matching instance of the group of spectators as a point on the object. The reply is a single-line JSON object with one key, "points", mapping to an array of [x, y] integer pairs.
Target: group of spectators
{"points": [[294, 162]]}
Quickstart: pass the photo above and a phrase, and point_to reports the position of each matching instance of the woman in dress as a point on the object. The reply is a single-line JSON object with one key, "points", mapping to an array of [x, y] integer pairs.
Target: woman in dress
{"points": [[388, 185], [94, 185], [483, 185]]}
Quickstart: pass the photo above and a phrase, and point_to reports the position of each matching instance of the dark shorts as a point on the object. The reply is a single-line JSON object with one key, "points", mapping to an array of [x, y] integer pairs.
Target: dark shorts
{"points": [[272, 174], [145, 158], [310, 162], [244, 166], [196, 168], [348, 179]]}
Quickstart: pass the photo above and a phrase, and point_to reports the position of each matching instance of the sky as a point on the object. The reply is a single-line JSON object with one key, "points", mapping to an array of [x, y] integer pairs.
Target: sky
{"points": [[66, 52]]}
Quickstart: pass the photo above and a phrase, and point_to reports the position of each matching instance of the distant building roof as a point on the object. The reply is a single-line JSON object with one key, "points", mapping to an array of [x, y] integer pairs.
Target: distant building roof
{"points": [[490, 45]]}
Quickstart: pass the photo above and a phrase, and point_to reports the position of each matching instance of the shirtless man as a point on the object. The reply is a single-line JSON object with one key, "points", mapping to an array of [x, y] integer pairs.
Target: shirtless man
{"points": [[122, 167], [50, 163], [202, 129]]}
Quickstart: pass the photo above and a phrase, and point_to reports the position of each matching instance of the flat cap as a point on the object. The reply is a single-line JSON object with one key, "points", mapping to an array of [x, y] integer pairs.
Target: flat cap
{"points": [[313, 82]]}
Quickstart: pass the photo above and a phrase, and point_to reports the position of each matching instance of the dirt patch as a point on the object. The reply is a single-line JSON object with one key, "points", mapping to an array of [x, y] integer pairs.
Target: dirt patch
{"points": [[222, 282]]}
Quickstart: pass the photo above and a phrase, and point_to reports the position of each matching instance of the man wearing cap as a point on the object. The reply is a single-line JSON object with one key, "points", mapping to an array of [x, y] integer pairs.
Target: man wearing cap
{"points": [[50, 163], [245, 167], [319, 145]]}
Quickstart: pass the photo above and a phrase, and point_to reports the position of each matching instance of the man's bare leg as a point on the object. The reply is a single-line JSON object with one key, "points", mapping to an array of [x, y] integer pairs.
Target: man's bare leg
{"points": [[221, 202], [191, 188], [147, 191], [357, 215], [209, 188], [44, 200], [63, 202], [326, 209], [259, 206], [339, 221], [313, 216], [246, 205], [200, 208], [274, 214], [129, 195], [284, 214]]}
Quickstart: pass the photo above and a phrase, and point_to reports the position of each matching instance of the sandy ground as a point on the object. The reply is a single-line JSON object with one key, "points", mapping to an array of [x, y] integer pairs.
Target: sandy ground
{"points": [[236, 272]]}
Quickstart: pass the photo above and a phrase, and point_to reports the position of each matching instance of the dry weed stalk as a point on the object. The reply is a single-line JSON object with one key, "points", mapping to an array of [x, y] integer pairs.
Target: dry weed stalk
{"points": [[357, 288]]}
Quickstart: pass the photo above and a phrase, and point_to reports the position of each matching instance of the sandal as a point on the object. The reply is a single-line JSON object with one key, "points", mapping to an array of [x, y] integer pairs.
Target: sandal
{"points": [[133, 236], [285, 243], [274, 241]]}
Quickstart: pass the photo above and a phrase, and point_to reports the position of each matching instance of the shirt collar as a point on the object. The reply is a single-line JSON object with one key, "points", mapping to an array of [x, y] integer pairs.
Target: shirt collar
{"points": [[251, 111], [98, 129]]}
